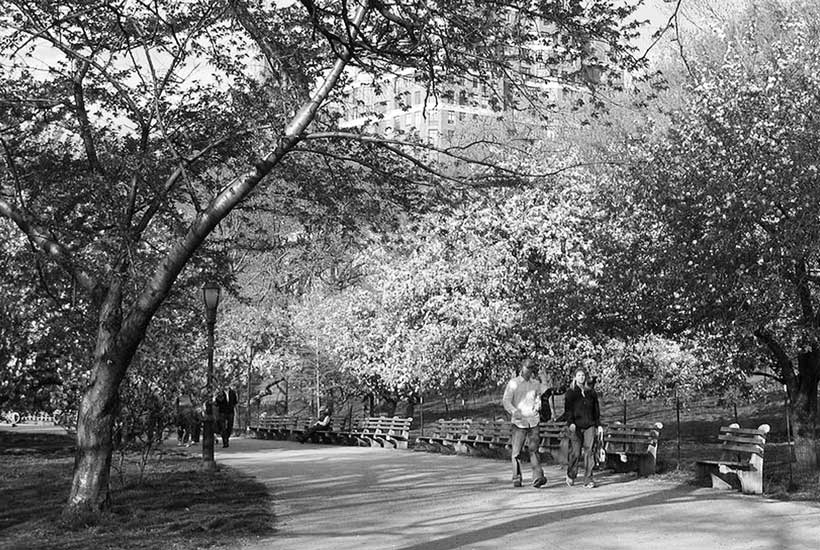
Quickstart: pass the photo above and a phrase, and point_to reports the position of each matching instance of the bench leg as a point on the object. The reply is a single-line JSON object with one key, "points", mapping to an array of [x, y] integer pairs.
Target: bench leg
{"points": [[718, 477], [751, 482]]}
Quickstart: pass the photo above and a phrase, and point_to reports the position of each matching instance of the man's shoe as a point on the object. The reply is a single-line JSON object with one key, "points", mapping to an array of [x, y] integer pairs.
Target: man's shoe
{"points": [[569, 481], [590, 485], [517, 482], [540, 482]]}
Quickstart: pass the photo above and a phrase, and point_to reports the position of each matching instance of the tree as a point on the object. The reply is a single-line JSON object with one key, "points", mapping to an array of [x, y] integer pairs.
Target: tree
{"points": [[130, 131], [732, 204]]}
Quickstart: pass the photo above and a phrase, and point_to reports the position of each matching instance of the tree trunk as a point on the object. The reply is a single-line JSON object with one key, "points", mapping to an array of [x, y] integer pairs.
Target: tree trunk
{"points": [[804, 409], [98, 410]]}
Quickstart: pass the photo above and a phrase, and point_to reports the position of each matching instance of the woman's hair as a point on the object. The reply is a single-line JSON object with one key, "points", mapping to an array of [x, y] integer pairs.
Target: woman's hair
{"points": [[572, 383]]}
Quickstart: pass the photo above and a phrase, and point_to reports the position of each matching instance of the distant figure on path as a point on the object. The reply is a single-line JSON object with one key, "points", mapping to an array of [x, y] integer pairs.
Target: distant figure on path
{"points": [[225, 402], [322, 424], [522, 399], [584, 420]]}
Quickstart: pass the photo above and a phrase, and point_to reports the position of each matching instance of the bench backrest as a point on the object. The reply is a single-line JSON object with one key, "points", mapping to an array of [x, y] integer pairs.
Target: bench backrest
{"points": [[741, 444], [387, 425], [475, 430], [272, 422], [552, 433], [451, 429], [337, 424], [632, 437], [497, 431]]}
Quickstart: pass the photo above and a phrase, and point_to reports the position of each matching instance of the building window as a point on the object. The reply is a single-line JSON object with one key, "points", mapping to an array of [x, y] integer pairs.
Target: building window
{"points": [[417, 98], [461, 116], [451, 117]]}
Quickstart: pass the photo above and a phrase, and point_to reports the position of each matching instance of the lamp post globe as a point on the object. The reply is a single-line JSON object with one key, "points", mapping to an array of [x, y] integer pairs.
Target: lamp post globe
{"points": [[210, 296]]}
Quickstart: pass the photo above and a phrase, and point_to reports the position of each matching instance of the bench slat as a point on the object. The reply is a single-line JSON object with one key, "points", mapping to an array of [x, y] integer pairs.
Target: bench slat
{"points": [[755, 440], [756, 449], [748, 431]]}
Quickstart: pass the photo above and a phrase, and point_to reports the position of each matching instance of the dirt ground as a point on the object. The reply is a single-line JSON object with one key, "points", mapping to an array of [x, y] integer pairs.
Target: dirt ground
{"points": [[329, 497]]}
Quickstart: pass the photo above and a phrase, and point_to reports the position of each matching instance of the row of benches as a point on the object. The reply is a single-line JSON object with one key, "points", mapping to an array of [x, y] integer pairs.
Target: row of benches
{"points": [[628, 447], [632, 446], [375, 431]]}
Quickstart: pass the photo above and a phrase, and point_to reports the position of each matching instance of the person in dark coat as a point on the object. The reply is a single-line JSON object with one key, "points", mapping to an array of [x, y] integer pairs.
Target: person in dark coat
{"points": [[584, 422], [225, 402]]}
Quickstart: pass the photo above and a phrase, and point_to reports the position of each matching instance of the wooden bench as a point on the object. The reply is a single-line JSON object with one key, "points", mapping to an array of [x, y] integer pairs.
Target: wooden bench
{"points": [[298, 427], [472, 438], [382, 431], [261, 430], [495, 434], [632, 446], [342, 430], [447, 434], [274, 427], [492, 434], [741, 460], [554, 440]]}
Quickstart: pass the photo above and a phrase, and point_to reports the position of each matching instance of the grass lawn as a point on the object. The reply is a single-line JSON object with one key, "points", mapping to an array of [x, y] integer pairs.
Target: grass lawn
{"points": [[174, 506]]}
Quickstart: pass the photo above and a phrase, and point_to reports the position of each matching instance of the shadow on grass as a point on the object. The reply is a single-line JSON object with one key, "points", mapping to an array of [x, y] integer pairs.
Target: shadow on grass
{"points": [[176, 505]]}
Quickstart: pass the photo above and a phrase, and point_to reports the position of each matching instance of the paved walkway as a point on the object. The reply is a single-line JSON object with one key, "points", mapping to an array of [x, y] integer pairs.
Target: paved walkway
{"points": [[329, 497]]}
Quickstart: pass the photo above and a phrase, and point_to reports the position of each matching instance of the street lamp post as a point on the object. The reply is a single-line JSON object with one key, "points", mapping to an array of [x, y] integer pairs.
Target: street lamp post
{"points": [[210, 295]]}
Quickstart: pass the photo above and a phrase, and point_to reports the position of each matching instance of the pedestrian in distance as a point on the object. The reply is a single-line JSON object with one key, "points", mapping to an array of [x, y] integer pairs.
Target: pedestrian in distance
{"points": [[522, 399], [584, 422], [225, 402]]}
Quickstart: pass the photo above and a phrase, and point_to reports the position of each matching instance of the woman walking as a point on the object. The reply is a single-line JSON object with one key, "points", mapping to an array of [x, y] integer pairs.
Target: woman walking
{"points": [[584, 420]]}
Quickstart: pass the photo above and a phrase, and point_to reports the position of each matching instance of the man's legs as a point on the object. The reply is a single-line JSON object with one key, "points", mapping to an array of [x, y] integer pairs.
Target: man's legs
{"points": [[589, 456], [517, 443], [227, 429], [533, 441]]}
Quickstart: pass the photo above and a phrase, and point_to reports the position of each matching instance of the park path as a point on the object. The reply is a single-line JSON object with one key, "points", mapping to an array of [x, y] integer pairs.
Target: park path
{"points": [[330, 497]]}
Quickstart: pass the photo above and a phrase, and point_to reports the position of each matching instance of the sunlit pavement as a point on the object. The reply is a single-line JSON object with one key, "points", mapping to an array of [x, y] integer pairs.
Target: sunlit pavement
{"points": [[330, 497]]}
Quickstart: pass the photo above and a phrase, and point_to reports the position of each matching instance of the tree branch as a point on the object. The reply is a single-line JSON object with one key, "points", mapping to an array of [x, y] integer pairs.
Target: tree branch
{"points": [[43, 242], [80, 70], [781, 358], [449, 152], [160, 282]]}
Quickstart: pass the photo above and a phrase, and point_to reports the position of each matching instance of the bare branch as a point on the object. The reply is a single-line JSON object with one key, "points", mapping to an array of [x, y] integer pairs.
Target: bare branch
{"points": [[672, 22], [80, 70], [449, 152]]}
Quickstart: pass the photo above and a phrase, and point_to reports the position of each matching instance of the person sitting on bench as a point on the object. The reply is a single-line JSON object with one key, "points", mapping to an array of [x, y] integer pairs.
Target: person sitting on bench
{"points": [[323, 423]]}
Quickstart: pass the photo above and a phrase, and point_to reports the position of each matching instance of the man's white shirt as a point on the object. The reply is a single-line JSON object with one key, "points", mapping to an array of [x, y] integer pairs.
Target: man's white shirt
{"points": [[524, 397]]}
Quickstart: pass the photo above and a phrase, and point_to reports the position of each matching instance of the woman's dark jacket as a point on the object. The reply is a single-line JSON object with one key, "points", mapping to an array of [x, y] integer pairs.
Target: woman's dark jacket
{"points": [[582, 408]]}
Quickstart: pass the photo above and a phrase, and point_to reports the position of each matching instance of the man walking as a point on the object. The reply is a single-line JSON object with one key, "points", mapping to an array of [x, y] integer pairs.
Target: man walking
{"points": [[226, 405], [522, 399]]}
